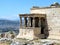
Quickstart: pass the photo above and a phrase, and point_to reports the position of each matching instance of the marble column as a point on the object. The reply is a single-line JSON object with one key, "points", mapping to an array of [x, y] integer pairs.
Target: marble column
{"points": [[25, 21], [20, 21], [33, 21], [29, 21], [39, 22]]}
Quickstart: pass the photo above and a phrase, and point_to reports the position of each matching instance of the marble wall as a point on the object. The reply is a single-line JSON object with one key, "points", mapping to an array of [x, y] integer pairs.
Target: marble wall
{"points": [[53, 20]]}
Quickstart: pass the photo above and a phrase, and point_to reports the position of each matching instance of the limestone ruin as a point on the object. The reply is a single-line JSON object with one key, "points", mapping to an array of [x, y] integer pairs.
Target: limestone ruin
{"points": [[41, 23]]}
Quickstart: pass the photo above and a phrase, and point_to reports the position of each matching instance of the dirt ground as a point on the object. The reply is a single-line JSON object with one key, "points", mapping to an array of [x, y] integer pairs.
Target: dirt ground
{"points": [[4, 44]]}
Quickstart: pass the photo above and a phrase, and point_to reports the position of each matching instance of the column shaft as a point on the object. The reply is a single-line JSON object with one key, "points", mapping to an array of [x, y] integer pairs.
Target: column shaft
{"points": [[39, 22], [24, 22], [20, 21], [33, 22], [29, 22]]}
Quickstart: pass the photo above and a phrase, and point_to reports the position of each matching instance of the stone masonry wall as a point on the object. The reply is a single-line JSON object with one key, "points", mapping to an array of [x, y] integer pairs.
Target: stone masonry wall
{"points": [[25, 34], [53, 20]]}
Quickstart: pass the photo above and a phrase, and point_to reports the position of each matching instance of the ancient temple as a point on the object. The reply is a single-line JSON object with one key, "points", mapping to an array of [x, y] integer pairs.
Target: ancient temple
{"points": [[41, 23]]}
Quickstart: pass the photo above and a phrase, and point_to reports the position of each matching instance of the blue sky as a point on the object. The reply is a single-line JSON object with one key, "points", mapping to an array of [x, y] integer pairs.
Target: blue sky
{"points": [[9, 9]]}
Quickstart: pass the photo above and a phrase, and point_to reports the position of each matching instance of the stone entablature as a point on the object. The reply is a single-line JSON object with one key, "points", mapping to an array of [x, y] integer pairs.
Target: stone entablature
{"points": [[55, 5]]}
